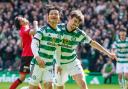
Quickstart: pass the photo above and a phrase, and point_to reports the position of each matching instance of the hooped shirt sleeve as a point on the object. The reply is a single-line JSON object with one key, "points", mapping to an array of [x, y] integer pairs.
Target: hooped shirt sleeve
{"points": [[36, 41], [84, 37]]}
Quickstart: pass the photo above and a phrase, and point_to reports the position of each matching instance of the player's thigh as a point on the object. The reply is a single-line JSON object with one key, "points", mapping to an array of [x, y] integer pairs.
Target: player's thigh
{"points": [[119, 68], [125, 67], [75, 68], [32, 87], [31, 68], [76, 71], [36, 76], [60, 79], [48, 74]]}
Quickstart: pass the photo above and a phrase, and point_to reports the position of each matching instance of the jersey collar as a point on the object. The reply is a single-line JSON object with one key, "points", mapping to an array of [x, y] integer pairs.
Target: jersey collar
{"points": [[51, 27]]}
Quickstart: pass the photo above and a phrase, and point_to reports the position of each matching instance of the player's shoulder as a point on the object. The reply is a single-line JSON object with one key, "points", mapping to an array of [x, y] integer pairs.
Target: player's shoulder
{"points": [[80, 31], [61, 25], [43, 27], [127, 39]]}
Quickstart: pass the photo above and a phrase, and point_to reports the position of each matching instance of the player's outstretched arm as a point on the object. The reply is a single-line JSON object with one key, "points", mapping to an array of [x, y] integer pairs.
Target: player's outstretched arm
{"points": [[97, 46]]}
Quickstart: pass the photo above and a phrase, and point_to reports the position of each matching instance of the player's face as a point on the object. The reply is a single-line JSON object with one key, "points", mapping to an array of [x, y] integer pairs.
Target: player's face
{"points": [[54, 17], [74, 23], [122, 35]]}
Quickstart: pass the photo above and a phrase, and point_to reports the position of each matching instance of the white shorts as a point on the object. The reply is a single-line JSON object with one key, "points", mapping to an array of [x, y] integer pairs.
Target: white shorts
{"points": [[122, 68], [31, 68], [41, 74], [71, 69]]}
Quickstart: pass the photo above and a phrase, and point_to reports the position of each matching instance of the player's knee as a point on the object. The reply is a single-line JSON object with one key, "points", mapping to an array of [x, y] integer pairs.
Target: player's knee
{"points": [[78, 78], [22, 76], [120, 76], [48, 85], [33, 82], [60, 87], [81, 82], [33, 86]]}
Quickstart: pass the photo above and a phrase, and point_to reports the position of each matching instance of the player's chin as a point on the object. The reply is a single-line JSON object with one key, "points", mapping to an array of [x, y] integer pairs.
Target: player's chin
{"points": [[73, 27], [54, 22]]}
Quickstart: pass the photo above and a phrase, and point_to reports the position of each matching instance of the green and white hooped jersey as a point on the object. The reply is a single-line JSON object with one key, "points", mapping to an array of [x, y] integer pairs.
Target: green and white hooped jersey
{"points": [[69, 42], [48, 38], [33, 61], [121, 48]]}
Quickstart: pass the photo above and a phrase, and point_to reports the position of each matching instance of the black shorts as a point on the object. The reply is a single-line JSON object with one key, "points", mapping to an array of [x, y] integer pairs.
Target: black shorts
{"points": [[25, 64]]}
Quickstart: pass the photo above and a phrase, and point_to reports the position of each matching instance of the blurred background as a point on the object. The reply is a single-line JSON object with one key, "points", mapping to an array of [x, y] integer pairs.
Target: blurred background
{"points": [[103, 18]]}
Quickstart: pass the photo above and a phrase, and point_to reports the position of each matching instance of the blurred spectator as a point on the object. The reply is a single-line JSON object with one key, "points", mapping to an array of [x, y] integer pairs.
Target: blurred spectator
{"points": [[107, 71], [99, 63], [83, 52], [103, 18]]}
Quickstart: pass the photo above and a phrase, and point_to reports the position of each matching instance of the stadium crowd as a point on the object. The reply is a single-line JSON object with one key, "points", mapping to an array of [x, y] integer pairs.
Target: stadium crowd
{"points": [[103, 19]]}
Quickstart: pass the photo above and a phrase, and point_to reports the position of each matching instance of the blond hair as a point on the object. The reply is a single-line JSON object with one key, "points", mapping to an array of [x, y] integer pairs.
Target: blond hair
{"points": [[78, 14]]}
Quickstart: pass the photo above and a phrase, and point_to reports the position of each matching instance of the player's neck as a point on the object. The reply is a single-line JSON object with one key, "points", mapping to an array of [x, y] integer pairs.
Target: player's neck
{"points": [[52, 25], [122, 38]]}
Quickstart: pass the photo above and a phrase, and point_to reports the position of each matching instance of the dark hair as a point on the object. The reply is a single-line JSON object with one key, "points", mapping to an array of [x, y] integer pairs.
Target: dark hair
{"points": [[17, 23], [123, 30], [52, 8], [78, 14]]}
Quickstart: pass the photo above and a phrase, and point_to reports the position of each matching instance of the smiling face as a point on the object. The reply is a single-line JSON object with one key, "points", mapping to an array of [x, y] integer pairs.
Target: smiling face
{"points": [[75, 19], [122, 35], [53, 16]]}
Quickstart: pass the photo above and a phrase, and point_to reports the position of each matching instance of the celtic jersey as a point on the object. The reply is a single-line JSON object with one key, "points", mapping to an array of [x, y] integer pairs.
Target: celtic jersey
{"points": [[48, 38], [69, 42], [121, 48]]}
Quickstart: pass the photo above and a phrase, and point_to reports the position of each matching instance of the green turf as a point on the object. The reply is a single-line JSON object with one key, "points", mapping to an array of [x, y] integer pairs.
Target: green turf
{"points": [[68, 86]]}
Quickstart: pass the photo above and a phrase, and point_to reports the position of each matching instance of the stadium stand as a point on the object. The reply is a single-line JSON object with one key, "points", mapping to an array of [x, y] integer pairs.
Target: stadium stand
{"points": [[103, 18]]}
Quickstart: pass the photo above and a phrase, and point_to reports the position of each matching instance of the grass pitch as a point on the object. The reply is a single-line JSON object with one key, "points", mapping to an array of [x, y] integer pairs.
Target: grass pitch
{"points": [[69, 86]]}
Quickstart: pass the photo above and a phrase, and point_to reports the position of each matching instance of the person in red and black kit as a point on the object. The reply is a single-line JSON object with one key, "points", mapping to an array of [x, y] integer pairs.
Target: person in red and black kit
{"points": [[25, 37]]}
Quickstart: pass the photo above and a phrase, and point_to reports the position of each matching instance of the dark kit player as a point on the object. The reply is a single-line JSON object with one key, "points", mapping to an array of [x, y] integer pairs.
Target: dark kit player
{"points": [[25, 42]]}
